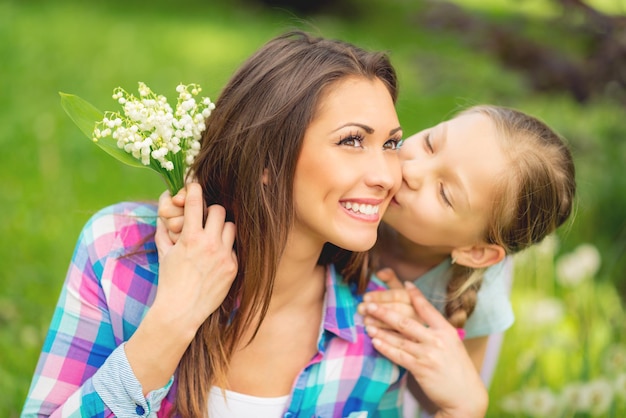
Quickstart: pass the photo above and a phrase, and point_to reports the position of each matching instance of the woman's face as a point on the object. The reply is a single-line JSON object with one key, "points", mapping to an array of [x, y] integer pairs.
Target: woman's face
{"points": [[348, 168], [449, 175]]}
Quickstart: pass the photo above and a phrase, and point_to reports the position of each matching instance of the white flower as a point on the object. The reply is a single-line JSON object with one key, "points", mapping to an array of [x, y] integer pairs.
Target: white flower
{"points": [[549, 245], [152, 132], [540, 403], [615, 359], [545, 312], [574, 398], [600, 396], [581, 264], [512, 403]]}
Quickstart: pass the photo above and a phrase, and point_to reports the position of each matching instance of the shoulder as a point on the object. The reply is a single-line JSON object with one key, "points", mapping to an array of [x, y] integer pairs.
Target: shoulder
{"points": [[118, 235], [493, 312], [119, 226]]}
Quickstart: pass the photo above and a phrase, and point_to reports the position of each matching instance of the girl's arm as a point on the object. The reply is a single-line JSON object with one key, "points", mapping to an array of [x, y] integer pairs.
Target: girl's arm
{"points": [[430, 349]]}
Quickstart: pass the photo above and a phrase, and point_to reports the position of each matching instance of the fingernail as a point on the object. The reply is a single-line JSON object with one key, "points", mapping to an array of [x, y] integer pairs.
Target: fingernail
{"points": [[371, 330], [409, 284], [371, 307]]}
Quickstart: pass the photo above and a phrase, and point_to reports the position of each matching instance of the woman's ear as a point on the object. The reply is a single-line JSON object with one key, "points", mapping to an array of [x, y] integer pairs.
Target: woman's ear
{"points": [[266, 177], [479, 255]]}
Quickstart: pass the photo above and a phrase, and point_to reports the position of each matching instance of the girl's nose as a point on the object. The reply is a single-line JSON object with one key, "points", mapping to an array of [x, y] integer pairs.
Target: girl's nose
{"points": [[413, 172]]}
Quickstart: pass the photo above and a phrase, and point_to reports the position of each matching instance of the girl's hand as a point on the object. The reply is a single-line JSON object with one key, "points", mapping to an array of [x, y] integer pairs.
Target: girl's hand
{"points": [[395, 298], [433, 353], [197, 271]]}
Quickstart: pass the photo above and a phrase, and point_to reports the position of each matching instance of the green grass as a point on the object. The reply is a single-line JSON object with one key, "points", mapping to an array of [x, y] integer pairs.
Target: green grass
{"points": [[53, 178]]}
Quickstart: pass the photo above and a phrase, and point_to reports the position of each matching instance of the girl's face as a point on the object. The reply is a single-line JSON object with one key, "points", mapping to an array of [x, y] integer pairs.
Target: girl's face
{"points": [[449, 175], [348, 168]]}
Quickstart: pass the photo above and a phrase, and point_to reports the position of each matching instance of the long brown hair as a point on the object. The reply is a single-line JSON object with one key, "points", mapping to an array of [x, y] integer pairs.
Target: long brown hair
{"points": [[256, 133], [535, 198]]}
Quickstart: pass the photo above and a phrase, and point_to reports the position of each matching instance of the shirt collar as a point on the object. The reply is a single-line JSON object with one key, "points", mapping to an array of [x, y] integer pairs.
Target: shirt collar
{"points": [[340, 307]]}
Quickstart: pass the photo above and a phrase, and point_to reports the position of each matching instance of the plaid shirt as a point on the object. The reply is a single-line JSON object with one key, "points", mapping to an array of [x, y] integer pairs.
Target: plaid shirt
{"points": [[83, 371]]}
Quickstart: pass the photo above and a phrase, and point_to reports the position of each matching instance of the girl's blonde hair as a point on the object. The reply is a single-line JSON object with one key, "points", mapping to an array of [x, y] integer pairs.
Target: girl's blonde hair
{"points": [[535, 198]]}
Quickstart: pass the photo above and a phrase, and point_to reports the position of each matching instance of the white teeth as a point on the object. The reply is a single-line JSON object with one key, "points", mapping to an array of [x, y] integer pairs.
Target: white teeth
{"points": [[361, 208]]}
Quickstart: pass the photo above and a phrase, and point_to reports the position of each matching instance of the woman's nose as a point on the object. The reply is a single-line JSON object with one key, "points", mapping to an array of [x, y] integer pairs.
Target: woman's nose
{"points": [[384, 171]]}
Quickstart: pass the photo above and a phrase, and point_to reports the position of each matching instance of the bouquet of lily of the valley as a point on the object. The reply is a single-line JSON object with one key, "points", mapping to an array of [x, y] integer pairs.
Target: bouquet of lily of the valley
{"points": [[149, 133]]}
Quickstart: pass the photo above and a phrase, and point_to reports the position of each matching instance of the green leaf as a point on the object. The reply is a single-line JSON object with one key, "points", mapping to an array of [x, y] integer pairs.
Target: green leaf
{"points": [[85, 116]]}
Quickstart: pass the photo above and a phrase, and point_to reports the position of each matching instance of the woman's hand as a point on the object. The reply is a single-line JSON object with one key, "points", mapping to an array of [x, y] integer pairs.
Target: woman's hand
{"points": [[431, 350], [195, 275], [197, 271]]}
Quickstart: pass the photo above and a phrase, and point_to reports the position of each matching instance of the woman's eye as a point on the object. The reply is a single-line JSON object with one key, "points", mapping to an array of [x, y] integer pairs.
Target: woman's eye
{"points": [[442, 192], [429, 145], [354, 141], [392, 144]]}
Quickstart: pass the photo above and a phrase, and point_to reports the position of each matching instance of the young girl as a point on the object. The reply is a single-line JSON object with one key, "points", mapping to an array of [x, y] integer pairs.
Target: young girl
{"points": [[270, 328], [487, 183]]}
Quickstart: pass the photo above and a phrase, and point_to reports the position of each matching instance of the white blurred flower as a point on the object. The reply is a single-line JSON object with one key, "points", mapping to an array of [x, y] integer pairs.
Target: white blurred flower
{"points": [[549, 245], [545, 312], [615, 359], [540, 403], [512, 403], [600, 396], [575, 398], [575, 267]]}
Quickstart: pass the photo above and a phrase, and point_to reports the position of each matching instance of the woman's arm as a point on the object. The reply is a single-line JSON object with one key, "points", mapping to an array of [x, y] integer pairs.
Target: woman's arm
{"points": [[82, 363], [85, 369]]}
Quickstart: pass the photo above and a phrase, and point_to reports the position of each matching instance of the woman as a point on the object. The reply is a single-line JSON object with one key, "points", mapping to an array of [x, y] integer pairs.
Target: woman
{"points": [[277, 324]]}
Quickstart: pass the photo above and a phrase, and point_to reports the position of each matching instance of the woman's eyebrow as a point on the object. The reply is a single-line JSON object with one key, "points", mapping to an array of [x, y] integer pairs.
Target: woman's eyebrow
{"points": [[366, 128], [393, 131]]}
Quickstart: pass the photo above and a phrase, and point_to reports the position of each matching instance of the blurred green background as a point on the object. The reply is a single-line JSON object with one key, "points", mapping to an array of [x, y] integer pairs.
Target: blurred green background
{"points": [[554, 59]]}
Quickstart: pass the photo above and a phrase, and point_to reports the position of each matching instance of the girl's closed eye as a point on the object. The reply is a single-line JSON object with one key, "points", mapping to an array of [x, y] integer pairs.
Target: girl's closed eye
{"points": [[354, 140], [427, 143], [444, 196]]}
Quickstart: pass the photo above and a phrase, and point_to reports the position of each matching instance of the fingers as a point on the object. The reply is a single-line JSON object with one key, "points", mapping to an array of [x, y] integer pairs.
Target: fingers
{"points": [[194, 207], [388, 296], [397, 349], [179, 198], [403, 309], [162, 239], [228, 233], [388, 276], [424, 309], [407, 326]]}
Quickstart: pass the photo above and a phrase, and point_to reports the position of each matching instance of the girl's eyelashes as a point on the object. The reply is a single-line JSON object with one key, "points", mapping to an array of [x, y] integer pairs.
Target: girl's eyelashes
{"points": [[354, 140], [442, 192], [427, 142]]}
